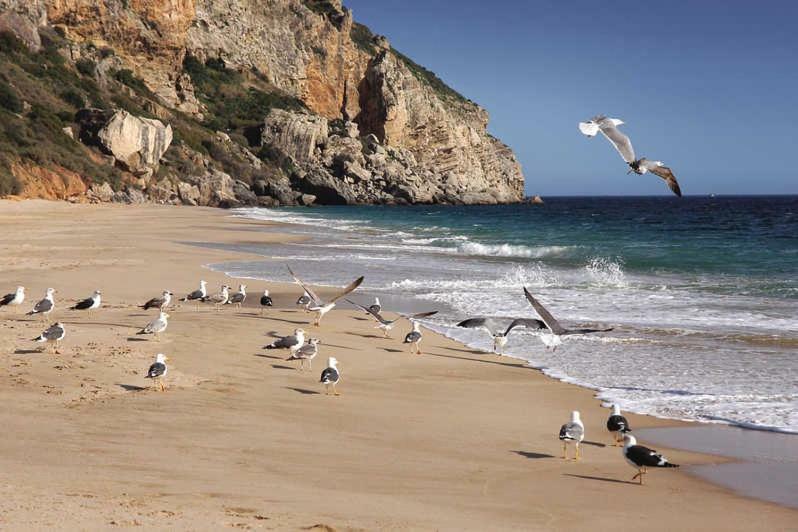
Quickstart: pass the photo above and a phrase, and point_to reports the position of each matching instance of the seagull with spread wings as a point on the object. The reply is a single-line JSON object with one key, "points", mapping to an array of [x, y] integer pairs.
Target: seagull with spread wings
{"points": [[317, 304], [497, 330], [609, 128], [557, 331], [385, 324]]}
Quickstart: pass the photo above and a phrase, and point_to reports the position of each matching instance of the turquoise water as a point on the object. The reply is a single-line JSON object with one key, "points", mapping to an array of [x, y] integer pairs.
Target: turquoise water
{"points": [[702, 292]]}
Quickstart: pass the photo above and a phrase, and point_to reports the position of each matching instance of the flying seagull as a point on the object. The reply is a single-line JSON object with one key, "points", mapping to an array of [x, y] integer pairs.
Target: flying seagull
{"points": [[497, 331], [573, 431], [292, 342], [161, 303], [239, 297], [158, 370], [331, 376], [306, 352], [265, 300], [156, 326], [641, 457], [557, 331], [617, 424], [198, 295], [45, 306], [609, 128], [15, 298], [387, 325], [319, 305], [90, 303], [221, 298], [52, 335]]}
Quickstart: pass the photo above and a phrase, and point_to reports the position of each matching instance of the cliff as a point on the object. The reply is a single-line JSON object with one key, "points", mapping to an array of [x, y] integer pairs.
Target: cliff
{"points": [[271, 102]]}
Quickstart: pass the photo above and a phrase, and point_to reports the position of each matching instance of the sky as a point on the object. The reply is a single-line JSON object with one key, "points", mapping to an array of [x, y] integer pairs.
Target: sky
{"points": [[708, 87]]}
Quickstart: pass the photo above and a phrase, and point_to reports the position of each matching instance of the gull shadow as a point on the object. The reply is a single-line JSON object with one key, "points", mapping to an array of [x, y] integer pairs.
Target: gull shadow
{"points": [[391, 350], [136, 339], [481, 361], [294, 322], [374, 336], [593, 443], [127, 325], [303, 391], [273, 357], [602, 479], [471, 351], [132, 387], [281, 366], [533, 456], [27, 351], [359, 318]]}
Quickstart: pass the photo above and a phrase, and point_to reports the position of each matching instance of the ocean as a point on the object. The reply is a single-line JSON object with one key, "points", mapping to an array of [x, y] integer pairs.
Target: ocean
{"points": [[702, 292]]}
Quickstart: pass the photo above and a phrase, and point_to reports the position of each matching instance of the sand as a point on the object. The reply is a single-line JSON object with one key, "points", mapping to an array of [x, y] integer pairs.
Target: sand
{"points": [[451, 439]]}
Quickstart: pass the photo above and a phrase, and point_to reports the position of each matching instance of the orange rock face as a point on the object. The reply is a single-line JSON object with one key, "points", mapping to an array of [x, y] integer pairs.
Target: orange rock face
{"points": [[54, 183]]}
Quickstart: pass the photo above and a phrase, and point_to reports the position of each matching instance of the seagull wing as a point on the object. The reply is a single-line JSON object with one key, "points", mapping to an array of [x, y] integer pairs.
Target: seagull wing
{"points": [[488, 324], [584, 331], [657, 168], [316, 299], [351, 288], [553, 325], [529, 323], [419, 315], [53, 332], [375, 315], [617, 139]]}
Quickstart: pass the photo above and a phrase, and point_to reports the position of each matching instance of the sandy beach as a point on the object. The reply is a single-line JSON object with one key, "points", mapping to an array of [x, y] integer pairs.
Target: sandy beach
{"points": [[453, 439]]}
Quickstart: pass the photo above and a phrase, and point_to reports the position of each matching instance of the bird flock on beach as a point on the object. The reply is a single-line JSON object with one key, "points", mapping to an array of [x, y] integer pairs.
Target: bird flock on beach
{"points": [[304, 348]]}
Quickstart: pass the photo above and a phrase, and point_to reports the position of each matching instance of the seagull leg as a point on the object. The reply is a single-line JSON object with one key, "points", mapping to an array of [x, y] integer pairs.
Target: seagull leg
{"points": [[565, 450], [335, 392], [163, 388], [577, 457]]}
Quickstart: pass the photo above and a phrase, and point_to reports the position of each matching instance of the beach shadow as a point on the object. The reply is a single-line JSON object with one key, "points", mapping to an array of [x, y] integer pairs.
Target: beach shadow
{"points": [[273, 357], [132, 388], [602, 479], [471, 351], [27, 351], [294, 322], [481, 361], [281, 366], [303, 391], [532, 456], [136, 339], [359, 318], [99, 324], [391, 350], [593, 443], [374, 336]]}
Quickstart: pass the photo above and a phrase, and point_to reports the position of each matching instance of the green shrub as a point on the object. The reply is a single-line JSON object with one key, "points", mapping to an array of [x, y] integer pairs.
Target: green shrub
{"points": [[430, 78], [9, 98], [127, 77], [363, 38], [73, 98], [86, 66]]}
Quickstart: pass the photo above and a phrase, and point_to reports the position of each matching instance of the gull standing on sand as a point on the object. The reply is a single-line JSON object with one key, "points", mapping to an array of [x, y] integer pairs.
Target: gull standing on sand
{"points": [[617, 425], [414, 338], [221, 298], [331, 376], [641, 457], [14, 299], [609, 128], [45, 306], [573, 431], [557, 331], [90, 303], [161, 303], [387, 325], [265, 300], [239, 297], [292, 342], [52, 335], [158, 370], [497, 331], [156, 326], [317, 304], [198, 295], [306, 352]]}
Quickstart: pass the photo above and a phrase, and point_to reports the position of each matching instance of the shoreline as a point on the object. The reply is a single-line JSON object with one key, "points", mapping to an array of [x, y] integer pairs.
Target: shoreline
{"points": [[399, 476]]}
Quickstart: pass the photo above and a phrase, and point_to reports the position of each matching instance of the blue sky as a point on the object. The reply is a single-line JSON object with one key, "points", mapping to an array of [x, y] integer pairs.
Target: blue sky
{"points": [[708, 87]]}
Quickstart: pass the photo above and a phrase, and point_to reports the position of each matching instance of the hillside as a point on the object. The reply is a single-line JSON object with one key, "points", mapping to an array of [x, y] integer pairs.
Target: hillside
{"points": [[231, 102]]}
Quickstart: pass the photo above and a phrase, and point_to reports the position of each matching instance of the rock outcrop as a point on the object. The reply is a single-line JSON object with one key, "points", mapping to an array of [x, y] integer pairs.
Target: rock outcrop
{"points": [[135, 142]]}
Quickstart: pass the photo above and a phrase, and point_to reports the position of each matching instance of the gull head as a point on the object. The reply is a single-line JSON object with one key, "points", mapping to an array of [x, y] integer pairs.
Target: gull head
{"points": [[203, 283], [20, 289], [98, 292], [616, 410], [575, 417], [161, 358], [242, 287], [167, 293], [314, 341], [50, 291], [332, 362], [163, 315], [266, 292]]}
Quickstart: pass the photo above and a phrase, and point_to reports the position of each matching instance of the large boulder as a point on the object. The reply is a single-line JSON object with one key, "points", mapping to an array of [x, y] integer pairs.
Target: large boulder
{"points": [[137, 143], [296, 135]]}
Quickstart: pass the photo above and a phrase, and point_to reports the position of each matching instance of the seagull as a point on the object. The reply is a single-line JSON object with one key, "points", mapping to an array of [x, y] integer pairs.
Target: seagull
{"points": [[330, 376], [221, 298], [292, 342], [15, 298], [52, 335], [198, 295], [414, 338], [317, 304], [239, 297], [46, 305], [573, 431], [557, 331], [617, 424], [495, 329], [89, 303], [158, 370], [375, 307], [156, 326], [306, 352], [265, 300], [641, 457], [161, 303], [387, 325], [304, 301], [609, 128]]}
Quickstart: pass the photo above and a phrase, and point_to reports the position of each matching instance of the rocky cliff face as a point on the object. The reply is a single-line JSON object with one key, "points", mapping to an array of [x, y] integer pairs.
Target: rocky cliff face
{"points": [[285, 96]]}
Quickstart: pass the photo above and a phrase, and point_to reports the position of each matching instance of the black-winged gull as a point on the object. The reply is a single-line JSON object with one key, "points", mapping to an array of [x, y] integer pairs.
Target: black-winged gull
{"points": [[498, 331], [158, 370], [331, 376], [641, 457]]}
